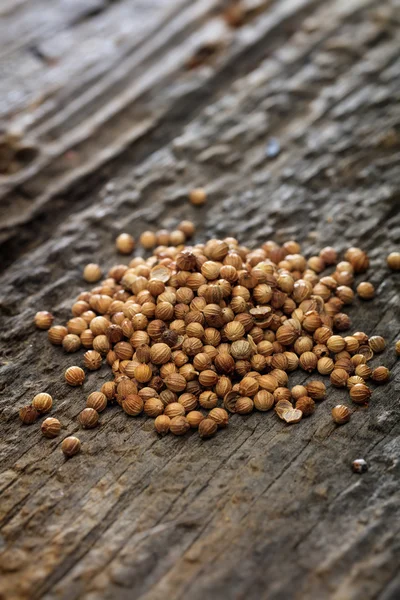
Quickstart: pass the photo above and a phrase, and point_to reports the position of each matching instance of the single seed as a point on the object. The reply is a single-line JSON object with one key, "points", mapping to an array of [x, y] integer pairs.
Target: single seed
{"points": [[92, 273], [28, 415], [56, 334], [97, 400], [341, 414], [89, 418], [263, 400], [148, 240], [316, 390], [42, 402], [293, 415], [179, 425], [220, 416], [43, 319], [74, 376], [194, 418], [153, 407], [71, 446], [132, 405], [198, 196], [393, 261], [125, 243], [380, 374], [377, 343], [92, 360], [360, 393], [162, 424], [298, 391], [207, 428], [51, 427], [339, 378], [366, 290]]}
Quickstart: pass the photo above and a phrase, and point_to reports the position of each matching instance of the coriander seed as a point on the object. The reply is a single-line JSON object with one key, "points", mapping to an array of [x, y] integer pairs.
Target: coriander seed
{"points": [[306, 405], [198, 196], [51, 427], [380, 374], [194, 418], [179, 425], [148, 240], [43, 319], [42, 402], [28, 415], [393, 261], [92, 273], [71, 446], [377, 343], [339, 378], [220, 416], [92, 360], [360, 393], [162, 424], [207, 428], [341, 414], [366, 290], [74, 376], [97, 401], [56, 334], [125, 243], [89, 418]]}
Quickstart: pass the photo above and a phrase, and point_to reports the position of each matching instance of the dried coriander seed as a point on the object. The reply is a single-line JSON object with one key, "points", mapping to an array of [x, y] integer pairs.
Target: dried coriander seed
{"points": [[220, 416], [92, 360], [51, 427], [366, 290], [393, 261], [216, 322], [293, 415], [97, 401], [43, 319], [162, 424], [56, 334], [360, 393], [74, 376], [92, 273], [198, 196], [42, 402], [207, 428], [194, 418], [125, 243], [341, 414], [380, 374], [28, 415], [179, 425], [148, 240], [306, 405], [89, 418], [71, 446], [377, 343]]}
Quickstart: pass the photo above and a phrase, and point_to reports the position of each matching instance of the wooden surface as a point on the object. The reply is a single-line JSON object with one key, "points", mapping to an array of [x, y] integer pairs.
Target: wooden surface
{"points": [[124, 106]]}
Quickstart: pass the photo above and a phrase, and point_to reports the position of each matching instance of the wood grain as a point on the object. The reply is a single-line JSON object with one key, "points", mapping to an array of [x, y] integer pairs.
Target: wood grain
{"points": [[262, 510]]}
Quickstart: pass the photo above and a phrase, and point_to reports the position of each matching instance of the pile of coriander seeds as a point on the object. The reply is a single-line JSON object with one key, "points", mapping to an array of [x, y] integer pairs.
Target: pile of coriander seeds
{"points": [[195, 334]]}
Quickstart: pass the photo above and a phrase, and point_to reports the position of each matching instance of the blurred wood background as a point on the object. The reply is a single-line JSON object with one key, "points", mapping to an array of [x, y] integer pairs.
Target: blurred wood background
{"points": [[287, 111]]}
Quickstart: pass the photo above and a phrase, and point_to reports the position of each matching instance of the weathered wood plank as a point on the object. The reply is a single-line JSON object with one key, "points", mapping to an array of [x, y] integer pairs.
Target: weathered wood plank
{"points": [[261, 510]]}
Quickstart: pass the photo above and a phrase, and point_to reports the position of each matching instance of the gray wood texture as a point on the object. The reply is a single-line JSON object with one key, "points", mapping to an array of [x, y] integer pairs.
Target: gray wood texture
{"points": [[126, 106]]}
